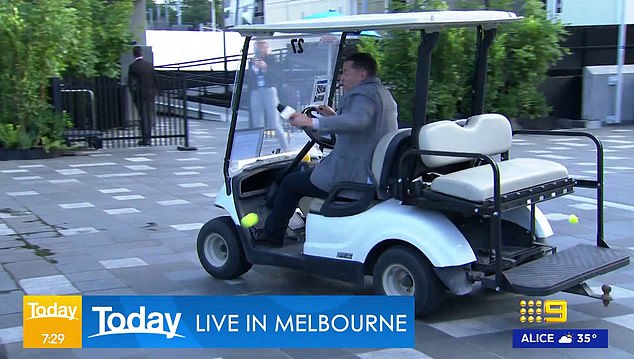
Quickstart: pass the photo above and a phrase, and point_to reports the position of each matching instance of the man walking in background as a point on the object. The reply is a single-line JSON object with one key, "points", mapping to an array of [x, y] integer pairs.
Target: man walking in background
{"points": [[143, 88]]}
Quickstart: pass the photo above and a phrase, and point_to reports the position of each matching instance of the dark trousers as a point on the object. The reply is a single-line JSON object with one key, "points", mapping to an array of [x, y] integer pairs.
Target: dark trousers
{"points": [[146, 112], [294, 186]]}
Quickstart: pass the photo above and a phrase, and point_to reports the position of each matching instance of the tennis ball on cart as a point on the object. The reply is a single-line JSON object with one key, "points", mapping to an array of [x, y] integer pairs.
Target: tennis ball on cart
{"points": [[573, 219], [250, 220]]}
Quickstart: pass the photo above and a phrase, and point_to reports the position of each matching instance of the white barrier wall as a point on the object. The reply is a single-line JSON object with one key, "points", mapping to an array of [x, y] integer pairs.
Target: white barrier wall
{"points": [[171, 47], [590, 12]]}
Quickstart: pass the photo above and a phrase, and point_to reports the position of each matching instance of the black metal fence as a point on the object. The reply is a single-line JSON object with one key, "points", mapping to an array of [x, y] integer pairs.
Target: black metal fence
{"points": [[103, 114]]}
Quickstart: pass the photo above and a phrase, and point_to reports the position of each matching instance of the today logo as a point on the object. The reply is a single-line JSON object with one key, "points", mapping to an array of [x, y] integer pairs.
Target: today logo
{"points": [[55, 310], [52, 321], [114, 323]]}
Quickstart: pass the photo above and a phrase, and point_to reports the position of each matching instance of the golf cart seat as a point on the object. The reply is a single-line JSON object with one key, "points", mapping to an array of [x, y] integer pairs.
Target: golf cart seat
{"points": [[488, 134], [359, 197]]}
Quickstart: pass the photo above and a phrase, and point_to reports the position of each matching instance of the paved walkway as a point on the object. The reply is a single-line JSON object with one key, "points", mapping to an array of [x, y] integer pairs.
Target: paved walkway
{"points": [[124, 221]]}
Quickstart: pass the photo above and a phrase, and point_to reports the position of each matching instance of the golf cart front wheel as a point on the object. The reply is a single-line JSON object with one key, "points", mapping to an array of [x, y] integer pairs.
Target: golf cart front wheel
{"points": [[220, 251], [403, 271]]}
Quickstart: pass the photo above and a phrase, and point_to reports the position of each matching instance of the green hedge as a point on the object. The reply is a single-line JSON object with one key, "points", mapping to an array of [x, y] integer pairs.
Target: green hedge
{"points": [[49, 38], [518, 60]]}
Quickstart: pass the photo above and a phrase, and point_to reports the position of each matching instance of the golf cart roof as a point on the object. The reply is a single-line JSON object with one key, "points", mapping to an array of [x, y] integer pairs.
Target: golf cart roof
{"points": [[431, 20]]}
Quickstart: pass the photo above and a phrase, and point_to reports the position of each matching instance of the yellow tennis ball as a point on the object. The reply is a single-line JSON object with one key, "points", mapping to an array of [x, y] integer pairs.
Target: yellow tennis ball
{"points": [[573, 219], [249, 220]]}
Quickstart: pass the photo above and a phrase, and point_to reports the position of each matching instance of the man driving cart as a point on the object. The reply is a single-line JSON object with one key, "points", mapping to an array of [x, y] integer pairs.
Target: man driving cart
{"points": [[368, 112]]}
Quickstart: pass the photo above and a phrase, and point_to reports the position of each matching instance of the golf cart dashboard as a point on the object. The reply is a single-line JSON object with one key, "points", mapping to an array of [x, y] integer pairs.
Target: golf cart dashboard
{"points": [[257, 181]]}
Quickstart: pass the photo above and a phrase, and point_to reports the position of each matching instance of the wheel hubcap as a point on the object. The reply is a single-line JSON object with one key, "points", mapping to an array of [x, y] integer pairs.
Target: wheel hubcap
{"points": [[397, 280], [216, 250]]}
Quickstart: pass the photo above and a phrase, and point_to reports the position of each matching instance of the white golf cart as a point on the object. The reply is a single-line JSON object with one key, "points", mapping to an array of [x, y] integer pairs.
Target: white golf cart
{"points": [[449, 208]]}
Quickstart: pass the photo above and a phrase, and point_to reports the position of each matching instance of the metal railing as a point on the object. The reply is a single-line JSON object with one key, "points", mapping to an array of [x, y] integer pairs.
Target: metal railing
{"points": [[102, 107]]}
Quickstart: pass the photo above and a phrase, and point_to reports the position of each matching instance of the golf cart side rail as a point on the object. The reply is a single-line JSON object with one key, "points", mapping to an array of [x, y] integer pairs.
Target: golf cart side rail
{"points": [[596, 184]]}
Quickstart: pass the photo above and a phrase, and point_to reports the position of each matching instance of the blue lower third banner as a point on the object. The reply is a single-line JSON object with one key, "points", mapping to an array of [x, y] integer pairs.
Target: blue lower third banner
{"points": [[560, 338], [247, 322]]}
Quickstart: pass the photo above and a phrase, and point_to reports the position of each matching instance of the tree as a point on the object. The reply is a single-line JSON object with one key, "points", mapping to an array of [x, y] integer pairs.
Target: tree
{"points": [[518, 61], [532, 46], [35, 43], [48, 39]]}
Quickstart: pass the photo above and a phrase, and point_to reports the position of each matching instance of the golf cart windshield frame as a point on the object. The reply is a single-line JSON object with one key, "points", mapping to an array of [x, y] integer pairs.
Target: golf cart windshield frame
{"points": [[428, 23]]}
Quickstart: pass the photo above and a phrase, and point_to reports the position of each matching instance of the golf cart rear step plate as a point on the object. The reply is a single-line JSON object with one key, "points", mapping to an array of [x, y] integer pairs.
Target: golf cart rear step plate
{"points": [[561, 270]]}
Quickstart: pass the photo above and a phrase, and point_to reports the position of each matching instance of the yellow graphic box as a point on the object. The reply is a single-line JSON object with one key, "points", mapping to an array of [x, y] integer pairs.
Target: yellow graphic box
{"points": [[52, 321]]}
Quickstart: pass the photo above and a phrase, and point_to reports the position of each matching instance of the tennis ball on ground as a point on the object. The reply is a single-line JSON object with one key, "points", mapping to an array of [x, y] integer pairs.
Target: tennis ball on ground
{"points": [[573, 219], [249, 220]]}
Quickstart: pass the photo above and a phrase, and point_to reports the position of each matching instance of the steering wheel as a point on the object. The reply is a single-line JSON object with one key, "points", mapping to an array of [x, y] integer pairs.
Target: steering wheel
{"points": [[322, 141]]}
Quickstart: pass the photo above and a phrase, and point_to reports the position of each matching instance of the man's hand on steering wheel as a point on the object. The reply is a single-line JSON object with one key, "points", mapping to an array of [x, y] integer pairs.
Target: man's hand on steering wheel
{"points": [[305, 120], [301, 120]]}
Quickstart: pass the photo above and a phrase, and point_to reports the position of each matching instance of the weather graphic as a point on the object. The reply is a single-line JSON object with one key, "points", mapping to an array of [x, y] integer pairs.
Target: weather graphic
{"points": [[565, 339]]}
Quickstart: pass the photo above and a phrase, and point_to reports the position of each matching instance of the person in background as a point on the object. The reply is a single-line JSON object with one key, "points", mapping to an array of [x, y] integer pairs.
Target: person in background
{"points": [[261, 78], [143, 87]]}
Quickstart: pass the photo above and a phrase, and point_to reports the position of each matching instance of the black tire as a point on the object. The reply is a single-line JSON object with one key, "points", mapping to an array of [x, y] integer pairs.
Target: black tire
{"points": [[220, 251], [401, 263]]}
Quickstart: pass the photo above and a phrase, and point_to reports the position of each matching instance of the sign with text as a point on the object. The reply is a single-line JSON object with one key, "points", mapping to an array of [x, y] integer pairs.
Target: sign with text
{"points": [[560, 338], [236, 321]]}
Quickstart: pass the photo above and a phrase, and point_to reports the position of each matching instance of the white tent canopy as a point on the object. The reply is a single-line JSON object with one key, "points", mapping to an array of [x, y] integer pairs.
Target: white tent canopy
{"points": [[432, 20]]}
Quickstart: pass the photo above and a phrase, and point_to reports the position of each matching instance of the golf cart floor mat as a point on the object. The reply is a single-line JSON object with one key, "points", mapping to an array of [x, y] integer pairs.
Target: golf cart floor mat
{"points": [[562, 270]]}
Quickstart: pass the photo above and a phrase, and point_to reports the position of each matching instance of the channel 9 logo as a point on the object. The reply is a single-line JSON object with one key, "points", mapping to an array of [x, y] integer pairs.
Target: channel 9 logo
{"points": [[548, 311]]}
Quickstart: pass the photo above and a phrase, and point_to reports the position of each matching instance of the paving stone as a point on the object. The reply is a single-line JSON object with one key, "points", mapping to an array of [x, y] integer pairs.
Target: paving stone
{"points": [[7, 283], [10, 242], [11, 302], [32, 268], [89, 275], [13, 255], [10, 335], [99, 284], [54, 284]]}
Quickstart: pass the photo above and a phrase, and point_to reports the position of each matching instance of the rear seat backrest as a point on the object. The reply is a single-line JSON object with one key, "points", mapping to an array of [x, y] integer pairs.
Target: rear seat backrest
{"points": [[488, 134]]}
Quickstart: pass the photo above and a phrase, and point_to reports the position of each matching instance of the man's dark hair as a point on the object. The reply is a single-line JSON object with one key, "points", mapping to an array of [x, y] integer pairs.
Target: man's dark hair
{"points": [[363, 61], [137, 51]]}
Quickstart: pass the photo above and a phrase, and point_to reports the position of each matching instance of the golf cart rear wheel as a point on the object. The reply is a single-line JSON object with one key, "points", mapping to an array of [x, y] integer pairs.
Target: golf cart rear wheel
{"points": [[402, 270], [220, 251]]}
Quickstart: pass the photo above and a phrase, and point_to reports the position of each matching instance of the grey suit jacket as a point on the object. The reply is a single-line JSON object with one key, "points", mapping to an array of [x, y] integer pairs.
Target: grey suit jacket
{"points": [[366, 113]]}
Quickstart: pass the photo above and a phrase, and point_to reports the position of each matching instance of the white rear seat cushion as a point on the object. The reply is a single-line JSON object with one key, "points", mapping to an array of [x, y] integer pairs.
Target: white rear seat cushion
{"points": [[488, 134], [476, 184]]}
